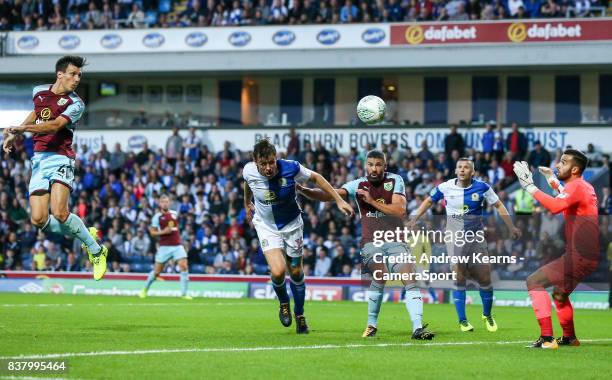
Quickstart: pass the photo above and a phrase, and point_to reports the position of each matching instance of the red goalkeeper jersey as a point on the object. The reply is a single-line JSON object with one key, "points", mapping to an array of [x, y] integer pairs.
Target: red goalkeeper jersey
{"points": [[578, 202]]}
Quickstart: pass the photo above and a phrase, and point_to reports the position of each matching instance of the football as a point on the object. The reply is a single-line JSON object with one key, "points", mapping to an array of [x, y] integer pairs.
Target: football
{"points": [[371, 109]]}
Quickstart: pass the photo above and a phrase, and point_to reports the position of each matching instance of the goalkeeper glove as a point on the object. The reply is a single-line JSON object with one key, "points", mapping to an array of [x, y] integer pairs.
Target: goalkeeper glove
{"points": [[521, 169]]}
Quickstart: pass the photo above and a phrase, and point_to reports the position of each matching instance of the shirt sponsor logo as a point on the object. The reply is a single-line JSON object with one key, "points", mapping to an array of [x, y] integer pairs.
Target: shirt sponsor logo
{"points": [[283, 37], [69, 42], [239, 39], [328, 36], [373, 35], [196, 39], [111, 41], [153, 40], [27, 42]]}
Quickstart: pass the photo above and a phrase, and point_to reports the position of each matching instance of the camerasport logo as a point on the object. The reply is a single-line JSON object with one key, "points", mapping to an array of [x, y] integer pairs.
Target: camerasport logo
{"points": [[69, 42], [416, 34], [519, 32]]}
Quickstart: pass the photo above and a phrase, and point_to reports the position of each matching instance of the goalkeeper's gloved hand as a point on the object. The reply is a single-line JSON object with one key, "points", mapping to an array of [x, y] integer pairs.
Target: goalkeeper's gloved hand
{"points": [[521, 169]]}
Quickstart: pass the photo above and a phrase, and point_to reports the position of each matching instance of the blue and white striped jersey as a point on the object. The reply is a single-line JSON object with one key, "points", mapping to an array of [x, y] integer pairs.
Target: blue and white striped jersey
{"points": [[464, 204], [275, 199]]}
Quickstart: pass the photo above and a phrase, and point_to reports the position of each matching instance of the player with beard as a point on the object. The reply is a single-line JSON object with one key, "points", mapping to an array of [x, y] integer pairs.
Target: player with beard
{"points": [[578, 201], [381, 199]]}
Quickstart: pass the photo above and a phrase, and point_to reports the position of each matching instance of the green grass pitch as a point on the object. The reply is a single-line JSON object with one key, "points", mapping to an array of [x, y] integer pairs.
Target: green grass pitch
{"points": [[123, 337]]}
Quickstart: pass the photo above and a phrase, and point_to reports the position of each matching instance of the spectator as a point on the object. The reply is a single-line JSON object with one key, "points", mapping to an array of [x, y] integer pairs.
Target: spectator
{"points": [[539, 156], [488, 139], [140, 244], [516, 142], [173, 146], [454, 141], [323, 263], [496, 174], [136, 18]]}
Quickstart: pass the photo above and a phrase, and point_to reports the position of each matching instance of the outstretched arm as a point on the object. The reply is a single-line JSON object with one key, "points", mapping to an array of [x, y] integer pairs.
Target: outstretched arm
{"points": [[427, 203], [48, 127], [322, 184], [318, 194]]}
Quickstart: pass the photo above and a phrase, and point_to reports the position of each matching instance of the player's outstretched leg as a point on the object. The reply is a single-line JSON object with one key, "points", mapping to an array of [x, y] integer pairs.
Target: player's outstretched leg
{"points": [[375, 298], [565, 313], [540, 300]]}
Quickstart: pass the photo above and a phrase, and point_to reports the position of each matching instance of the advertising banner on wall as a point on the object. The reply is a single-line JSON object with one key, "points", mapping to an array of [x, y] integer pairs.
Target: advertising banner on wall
{"points": [[200, 39], [506, 32], [128, 288], [313, 292], [341, 138]]}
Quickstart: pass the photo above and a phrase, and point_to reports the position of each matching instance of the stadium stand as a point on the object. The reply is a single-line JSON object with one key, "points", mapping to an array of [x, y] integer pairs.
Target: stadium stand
{"points": [[40, 15], [116, 191]]}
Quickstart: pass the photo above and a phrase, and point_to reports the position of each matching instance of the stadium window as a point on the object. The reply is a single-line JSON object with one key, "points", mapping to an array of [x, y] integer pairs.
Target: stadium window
{"points": [[436, 100], [175, 93], [605, 97], [517, 100], [154, 94], [291, 95], [369, 86], [567, 99], [324, 99], [484, 98], [230, 94]]}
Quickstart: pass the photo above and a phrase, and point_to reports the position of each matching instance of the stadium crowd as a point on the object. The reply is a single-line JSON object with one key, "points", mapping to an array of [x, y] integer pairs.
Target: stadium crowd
{"points": [[117, 191], [24, 15]]}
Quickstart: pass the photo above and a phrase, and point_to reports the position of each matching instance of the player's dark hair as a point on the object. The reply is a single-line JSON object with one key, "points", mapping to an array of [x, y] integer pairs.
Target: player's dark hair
{"points": [[578, 157], [67, 60], [375, 153], [466, 159], [263, 148]]}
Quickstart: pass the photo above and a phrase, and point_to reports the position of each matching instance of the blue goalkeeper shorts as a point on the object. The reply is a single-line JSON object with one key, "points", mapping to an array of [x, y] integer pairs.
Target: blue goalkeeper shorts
{"points": [[167, 252], [47, 168]]}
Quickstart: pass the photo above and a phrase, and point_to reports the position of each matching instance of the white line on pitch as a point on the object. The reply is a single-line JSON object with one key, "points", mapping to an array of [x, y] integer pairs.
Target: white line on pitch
{"points": [[186, 303], [277, 348]]}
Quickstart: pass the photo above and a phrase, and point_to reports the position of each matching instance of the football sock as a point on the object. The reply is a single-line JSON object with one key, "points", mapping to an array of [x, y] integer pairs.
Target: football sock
{"points": [[298, 289], [486, 295], [459, 300], [52, 225], [74, 226], [375, 297], [414, 305], [565, 313], [542, 307], [150, 280], [184, 283], [281, 290]]}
